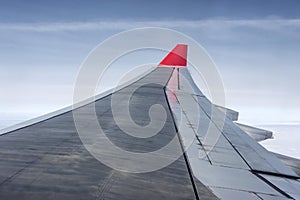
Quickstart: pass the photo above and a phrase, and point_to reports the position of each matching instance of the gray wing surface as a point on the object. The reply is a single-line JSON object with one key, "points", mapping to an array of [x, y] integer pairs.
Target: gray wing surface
{"points": [[46, 159], [223, 156]]}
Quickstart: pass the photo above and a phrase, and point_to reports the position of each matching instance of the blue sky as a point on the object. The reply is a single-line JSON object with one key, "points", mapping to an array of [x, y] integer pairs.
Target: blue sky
{"points": [[255, 45], [77, 10]]}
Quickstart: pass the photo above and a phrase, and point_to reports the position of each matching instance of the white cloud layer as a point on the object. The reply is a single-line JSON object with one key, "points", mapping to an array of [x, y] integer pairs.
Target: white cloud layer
{"points": [[267, 24]]}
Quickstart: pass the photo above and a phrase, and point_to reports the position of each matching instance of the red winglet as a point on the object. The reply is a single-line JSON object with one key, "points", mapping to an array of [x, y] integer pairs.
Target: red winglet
{"points": [[176, 58]]}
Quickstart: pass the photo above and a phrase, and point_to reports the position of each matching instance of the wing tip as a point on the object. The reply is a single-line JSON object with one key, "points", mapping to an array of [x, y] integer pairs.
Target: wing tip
{"points": [[176, 58]]}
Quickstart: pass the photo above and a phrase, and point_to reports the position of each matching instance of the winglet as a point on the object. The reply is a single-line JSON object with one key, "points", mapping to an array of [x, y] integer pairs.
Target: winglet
{"points": [[176, 58]]}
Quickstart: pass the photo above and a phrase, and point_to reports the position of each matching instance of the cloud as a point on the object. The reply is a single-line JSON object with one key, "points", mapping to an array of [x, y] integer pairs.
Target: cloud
{"points": [[266, 24]]}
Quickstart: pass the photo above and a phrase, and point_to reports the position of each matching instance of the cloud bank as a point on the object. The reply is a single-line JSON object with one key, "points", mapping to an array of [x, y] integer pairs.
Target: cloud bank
{"points": [[266, 24]]}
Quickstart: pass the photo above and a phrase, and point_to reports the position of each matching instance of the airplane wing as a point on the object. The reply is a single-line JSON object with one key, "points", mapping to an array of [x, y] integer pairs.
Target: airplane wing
{"points": [[45, 158]]}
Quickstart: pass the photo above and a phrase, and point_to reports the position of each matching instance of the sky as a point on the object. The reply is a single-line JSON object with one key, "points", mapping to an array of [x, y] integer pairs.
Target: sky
{"points": [[255, 45]]}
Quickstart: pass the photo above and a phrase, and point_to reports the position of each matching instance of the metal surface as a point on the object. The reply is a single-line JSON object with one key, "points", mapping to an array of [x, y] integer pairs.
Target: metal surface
{"points": [[289, 186], [48, 161], [256, 156], [293, 163], [256, 133], [230, 165], [230, 114]]}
